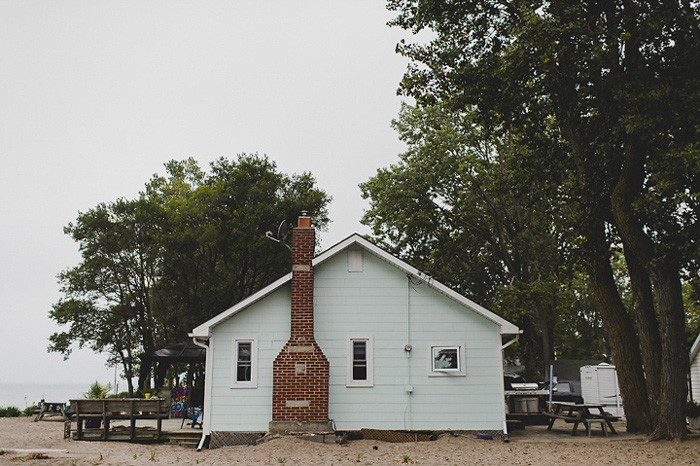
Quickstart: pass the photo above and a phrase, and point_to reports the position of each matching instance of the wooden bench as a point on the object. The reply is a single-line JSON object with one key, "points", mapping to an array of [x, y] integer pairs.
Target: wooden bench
{"points": [[553, 417], [109, 409]]}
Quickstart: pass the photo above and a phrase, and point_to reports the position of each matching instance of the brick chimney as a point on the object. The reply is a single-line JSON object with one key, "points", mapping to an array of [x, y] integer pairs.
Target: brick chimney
{"points": [[300, 371]]}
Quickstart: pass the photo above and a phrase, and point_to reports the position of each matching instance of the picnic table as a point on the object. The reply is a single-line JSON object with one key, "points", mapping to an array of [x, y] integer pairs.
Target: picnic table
{"points": [[581, 413], [49, 408]]}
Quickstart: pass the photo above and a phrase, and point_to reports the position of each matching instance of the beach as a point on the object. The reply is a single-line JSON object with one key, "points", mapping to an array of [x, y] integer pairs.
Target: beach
{"points": [[20, 437]]}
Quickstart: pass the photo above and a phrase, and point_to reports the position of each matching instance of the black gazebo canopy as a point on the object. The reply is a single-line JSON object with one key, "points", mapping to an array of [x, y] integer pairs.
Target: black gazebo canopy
{"points": [[185, 352]]}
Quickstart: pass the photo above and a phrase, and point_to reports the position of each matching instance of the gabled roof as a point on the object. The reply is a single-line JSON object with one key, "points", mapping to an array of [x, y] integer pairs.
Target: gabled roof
{"points": [[506, 328], [694, 349]]}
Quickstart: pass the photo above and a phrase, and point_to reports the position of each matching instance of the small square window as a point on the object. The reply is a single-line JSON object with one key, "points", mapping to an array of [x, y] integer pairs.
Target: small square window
{"points": [[447, 360], [359, 361]]}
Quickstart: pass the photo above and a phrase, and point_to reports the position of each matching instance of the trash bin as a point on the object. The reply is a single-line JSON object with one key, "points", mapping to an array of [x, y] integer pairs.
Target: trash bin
{"points": [[526, 404]]}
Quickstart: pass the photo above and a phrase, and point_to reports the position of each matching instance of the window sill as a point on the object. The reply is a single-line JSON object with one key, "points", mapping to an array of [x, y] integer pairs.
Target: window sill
{"points": [[244, 385]]}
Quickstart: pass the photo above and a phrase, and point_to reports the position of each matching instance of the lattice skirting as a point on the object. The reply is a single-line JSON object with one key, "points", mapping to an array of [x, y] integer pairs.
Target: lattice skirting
{"points": [[496, 434], [227, 439], [421, 436]]}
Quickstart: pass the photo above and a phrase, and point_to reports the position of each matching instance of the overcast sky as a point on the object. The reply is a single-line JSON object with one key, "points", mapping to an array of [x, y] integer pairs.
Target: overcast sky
{"points": [[95, 96]]}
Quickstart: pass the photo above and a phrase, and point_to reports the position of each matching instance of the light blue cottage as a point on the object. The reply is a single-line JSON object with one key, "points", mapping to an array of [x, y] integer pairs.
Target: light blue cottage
{"points": [[405, 352]]}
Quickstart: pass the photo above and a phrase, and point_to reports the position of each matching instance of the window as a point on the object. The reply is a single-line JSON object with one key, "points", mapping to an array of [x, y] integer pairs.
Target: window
{"points": [[562, 387], [359, 361], [447, 360], [245, 361]]}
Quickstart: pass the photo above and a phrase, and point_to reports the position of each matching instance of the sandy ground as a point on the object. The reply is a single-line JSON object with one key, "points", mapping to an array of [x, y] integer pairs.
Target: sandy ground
{"points": [[20, 436]]}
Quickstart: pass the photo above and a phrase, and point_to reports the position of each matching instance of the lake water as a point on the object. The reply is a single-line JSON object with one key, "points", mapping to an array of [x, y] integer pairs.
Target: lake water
{"points": [[21, 395]]}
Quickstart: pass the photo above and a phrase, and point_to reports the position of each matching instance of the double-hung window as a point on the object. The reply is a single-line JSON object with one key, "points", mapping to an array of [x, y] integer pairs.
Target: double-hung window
{"points": [[359, 357], [447, 360], [245, 362]]}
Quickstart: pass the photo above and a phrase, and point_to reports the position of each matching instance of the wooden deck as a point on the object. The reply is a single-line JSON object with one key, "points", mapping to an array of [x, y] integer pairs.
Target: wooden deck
{"points": [[116, 419], [147, 432]]}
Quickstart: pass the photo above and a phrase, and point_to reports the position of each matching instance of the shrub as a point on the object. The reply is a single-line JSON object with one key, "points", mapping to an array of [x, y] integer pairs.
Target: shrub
{"points": [[98, 391], [692, 409], [10, 411], [29, 410]]}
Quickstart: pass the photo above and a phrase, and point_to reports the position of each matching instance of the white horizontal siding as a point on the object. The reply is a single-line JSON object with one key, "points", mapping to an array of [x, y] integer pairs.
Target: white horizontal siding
{"points": [[248, 409], [376, 302], [695, 378]]}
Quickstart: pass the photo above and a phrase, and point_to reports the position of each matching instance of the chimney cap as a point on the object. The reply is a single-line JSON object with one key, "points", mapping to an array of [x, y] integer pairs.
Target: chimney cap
{"points": [[304, 220]]}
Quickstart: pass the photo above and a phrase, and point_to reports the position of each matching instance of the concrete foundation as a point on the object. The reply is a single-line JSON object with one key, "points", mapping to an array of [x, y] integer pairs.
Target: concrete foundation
{"points": [[306, 427]]}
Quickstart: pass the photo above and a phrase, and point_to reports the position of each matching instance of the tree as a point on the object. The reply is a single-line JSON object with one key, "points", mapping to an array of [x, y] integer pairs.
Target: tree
{"points": [[108, 296], [617, 81], [215, 252], [463, 206], [191, 245]]}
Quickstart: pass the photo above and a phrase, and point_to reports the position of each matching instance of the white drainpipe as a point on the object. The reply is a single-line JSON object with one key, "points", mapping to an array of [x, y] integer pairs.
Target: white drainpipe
{"points": [[207, 387], [503, 387]]}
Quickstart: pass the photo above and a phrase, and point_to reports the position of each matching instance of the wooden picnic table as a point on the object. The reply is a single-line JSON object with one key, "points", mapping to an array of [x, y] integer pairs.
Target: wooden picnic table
{"points": [[49, 408], [578, 413]]}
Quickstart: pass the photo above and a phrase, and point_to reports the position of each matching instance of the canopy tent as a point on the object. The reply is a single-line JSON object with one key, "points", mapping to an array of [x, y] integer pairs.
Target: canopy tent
{"points": [[185, 352]]}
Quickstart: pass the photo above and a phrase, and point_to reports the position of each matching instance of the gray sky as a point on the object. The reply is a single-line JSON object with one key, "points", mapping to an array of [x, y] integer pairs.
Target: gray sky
{"points": [[95, 96]]}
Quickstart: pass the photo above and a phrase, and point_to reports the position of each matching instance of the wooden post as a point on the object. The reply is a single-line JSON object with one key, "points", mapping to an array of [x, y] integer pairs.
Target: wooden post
{"points": [[105, 419], [80, 421], [132, 420], [160, 420]]}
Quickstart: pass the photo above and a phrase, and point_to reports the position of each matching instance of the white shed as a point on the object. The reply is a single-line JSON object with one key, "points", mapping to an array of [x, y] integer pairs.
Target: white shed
{"points": [[388, 348]]}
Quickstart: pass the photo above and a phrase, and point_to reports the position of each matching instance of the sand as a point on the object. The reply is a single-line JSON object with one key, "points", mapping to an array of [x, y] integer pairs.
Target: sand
{"points": [[21, 436]]}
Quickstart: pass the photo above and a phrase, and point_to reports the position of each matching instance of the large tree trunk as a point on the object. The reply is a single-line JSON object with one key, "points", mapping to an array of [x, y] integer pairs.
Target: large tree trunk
{"points": [[674, 358], [664, 274], [648, 328], [529, 349], [621, 335]]}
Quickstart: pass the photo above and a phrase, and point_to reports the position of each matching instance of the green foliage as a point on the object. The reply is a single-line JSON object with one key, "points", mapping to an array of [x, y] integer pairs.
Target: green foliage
{"points": [[191, 245], [617, 81], [465, 204], [97, 390], [29, 411], [10, 411]]}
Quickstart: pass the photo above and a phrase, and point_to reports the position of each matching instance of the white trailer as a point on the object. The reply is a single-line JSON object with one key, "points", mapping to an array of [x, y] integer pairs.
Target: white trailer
{"points": [[599, 386]]}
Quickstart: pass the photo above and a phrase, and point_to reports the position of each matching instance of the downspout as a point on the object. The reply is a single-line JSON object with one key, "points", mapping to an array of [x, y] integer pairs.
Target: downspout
{"points": [[503, 386], [206, 426], [407, 350]]}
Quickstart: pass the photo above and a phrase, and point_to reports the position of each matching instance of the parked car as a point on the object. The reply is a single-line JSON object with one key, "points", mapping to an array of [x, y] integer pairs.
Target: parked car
{"points": [[566, 390]]}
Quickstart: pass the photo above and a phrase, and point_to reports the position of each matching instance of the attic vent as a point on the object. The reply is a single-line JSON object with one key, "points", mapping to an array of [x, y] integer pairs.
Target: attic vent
{"points": [[354, 261]]}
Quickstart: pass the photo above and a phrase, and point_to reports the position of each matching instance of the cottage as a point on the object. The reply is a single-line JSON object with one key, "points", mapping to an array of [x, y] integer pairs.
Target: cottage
{"points": [[353, 338]]}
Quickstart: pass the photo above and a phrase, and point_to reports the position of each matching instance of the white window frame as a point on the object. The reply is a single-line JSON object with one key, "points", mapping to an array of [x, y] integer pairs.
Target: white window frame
{"points": [[253, 382], [461, 360], [349, 357]]}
